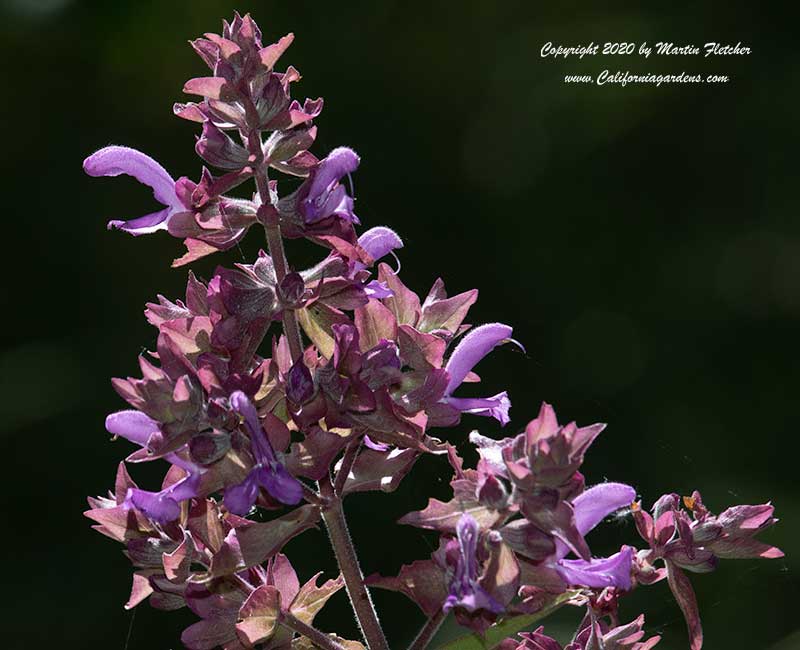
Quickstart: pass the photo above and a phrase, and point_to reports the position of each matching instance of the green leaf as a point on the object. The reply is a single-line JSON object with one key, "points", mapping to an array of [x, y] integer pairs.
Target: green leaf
{"points": [[505, 628]]}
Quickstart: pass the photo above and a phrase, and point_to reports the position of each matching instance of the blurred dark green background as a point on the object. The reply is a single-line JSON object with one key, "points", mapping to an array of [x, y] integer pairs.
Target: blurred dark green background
{"points": [[644, 243]]}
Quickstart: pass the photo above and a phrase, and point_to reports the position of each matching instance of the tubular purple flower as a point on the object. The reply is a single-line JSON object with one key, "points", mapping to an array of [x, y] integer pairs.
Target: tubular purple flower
{"points": [[269, 472], [470, 350], [464, 588], [378, 242], [590, 508], [164, 506], [115, 160], [324, 195]]}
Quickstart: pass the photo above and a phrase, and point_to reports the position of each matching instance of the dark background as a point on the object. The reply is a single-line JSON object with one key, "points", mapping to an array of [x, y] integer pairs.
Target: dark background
{"points": [[643, 241]]}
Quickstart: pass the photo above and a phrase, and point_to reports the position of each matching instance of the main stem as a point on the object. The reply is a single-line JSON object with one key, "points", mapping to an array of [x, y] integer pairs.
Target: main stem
{"points": [[275, 243], [333, 515], [367, 618]]}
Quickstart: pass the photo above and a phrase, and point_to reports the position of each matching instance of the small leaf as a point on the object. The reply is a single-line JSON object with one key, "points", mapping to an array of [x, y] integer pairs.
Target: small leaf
{"points": [[259, 615], [316, 322], [252, 543], [311, 598]]}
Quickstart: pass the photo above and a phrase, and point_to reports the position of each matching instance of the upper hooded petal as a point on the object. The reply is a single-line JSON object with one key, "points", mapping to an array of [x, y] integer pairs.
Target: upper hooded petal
{"points": [[115, 160], [471, 349], [339, 162], [380, 241], [594, 505], [132, 425]]}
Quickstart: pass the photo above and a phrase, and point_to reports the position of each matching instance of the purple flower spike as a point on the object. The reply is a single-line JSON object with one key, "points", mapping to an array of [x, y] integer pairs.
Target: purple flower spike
{"points": [[324, 195], [269, 472], [470, 350], [464, 588]]}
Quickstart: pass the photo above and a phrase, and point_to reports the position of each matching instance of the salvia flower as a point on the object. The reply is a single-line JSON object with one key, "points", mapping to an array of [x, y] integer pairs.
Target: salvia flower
{"points": [[322, 195], [269, 472], [470, 350], [163, 506], [464, 589], [115, 160]]}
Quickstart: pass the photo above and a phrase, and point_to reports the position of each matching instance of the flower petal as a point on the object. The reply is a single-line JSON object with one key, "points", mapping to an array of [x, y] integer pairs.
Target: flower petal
{"points": [[338, 163], [614, 571], [471, 349], [157, 506], [240, 498], [594, 505], [599, 501], [280, 484], [496, 407], [115, 160], [143, 225], [379, 241], [132, 425]]}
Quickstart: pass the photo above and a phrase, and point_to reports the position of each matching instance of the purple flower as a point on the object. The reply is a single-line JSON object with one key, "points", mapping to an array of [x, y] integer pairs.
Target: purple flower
{"points": [[378, 242], [469, 351], [113, 161], [323, 195], [163, 506], [464, 588], [590, 508], [269, 472]]}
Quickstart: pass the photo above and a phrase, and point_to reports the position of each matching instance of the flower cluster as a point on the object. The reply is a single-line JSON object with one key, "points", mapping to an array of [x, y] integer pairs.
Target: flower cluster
{"points": [[283, 390]]}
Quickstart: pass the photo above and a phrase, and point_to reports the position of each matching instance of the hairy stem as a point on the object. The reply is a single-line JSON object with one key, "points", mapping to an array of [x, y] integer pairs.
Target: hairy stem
{"points": [[332, 514], [275, 247], [428, 631], [276, 250], [345, 552], [318, 638], [348, 460]]}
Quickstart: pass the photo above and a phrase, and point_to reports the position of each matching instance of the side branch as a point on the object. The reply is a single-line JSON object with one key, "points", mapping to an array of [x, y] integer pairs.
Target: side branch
{"points": [[318, 638], [428, 631]]}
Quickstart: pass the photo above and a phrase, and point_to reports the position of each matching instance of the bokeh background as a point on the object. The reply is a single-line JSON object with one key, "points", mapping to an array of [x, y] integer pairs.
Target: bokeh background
{"points": [[644, 243]]}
